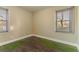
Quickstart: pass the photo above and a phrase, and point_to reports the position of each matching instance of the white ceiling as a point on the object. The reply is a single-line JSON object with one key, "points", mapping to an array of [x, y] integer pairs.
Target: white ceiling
{"points": [[34, 8]]}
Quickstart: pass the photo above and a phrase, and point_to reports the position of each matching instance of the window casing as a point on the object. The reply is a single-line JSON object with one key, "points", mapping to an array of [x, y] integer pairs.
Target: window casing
{"points": [[3, 20], [64, 20]]}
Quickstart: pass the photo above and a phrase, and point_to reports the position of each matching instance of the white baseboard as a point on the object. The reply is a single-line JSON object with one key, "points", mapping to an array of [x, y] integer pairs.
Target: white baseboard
{"points": [[13, 40], [64, 42]]}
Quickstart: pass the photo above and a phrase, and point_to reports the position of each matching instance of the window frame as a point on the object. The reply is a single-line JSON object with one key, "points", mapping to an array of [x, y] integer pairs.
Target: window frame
{"points": [[70, 20], [5, 20]]}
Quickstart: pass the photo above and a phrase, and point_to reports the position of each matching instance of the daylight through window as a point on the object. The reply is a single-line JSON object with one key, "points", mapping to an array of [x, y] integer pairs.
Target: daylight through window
{"points": [[3, 20]]}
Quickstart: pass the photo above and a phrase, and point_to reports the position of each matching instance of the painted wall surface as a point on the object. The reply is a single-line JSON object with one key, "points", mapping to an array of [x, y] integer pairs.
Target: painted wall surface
{"points": [[44, 24], [78, 25], [19, 24]]}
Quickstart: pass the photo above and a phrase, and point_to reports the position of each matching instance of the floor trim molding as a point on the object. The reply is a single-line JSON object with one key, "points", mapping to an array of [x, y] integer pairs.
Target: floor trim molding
{"points": [[16, 39], [65, 42]]}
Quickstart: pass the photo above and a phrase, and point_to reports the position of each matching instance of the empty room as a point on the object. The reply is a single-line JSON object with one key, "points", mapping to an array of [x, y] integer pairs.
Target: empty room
{"points": [[39, 29]]}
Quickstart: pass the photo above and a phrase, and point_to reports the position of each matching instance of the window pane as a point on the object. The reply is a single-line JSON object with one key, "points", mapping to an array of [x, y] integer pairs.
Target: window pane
{"points": [[58, 24], [59, 16], [3, 14], [64, 23], [2, 26], [3, 20], [66, 15]]}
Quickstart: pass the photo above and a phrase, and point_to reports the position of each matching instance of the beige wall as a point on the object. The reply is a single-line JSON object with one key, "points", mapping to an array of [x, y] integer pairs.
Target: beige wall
{"points": [[44, 24], [20, 24], [78, 25]]}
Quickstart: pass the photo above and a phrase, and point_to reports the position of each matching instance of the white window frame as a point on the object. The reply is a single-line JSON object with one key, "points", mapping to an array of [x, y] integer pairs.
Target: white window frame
{"points": [[70, 20], [6, 21]]}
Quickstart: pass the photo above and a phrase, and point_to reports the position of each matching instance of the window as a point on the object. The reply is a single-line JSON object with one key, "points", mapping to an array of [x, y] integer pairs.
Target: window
{"points": [[3, 20], [64, 20]]}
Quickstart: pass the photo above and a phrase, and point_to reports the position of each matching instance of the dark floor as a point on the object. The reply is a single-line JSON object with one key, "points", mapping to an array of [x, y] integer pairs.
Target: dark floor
{"points": [[35, 44]]}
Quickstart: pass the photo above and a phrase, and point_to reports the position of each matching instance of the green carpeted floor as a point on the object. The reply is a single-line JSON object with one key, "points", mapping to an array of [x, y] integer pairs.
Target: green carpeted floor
{"points": [[35, 44]]}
